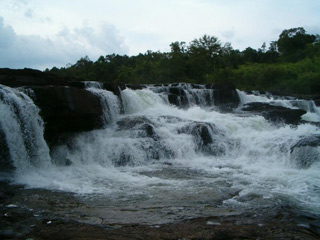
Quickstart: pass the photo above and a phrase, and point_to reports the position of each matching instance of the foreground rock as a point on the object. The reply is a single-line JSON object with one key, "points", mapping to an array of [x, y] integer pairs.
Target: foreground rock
{"points": [[201, 228], [275, 113]]}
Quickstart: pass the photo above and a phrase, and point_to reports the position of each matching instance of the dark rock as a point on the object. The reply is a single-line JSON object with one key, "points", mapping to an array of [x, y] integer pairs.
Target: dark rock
{"points": [[78, 84], [113, 87], [142, 125], [305, 152], [135, 86], [149, 142], [226, 96], [174, 99], [68, 109], [207, 137], [5, 161], [317, 102], [178, 97], [275, 113], [31, 77], [197, 86], [312, 141]]}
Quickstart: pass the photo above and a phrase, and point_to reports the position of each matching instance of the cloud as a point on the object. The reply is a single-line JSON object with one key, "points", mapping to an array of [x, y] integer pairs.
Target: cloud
{"points": [[228, 34], [34, 51], [29, 13]]}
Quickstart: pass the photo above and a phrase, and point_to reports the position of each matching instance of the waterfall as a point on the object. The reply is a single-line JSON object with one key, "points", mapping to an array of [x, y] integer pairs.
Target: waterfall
{"points": [[187, 94], [156, 147], [111, 104], [22, 128], [313, 112]]}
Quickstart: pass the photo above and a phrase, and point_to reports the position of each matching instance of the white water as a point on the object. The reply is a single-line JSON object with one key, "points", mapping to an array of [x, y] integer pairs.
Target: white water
{"points": [[313, 112], [249, 155], [23, 129]]}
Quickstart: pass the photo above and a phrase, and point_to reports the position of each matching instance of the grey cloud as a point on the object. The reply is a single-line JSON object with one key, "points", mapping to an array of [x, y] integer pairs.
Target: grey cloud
{"points": [[228, 34], [19, 51], [29, 13]]}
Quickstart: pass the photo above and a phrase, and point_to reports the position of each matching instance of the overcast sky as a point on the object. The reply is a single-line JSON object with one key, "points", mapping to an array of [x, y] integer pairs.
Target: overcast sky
{"points": [[40, 34]]}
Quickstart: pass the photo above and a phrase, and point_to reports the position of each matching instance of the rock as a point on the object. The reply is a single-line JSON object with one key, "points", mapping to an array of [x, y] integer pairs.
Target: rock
{"points": [[141, 125], [178, 97], [5, 161], [207, 137], [147, 141], [306, 151], [311, 141], [113, 87], [68, 109], [31, 77], [135, 86], [225, 96], [275, 113]]}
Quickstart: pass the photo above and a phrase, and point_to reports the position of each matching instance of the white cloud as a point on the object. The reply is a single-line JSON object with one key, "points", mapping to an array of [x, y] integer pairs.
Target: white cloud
{"points": [[18, 51]]}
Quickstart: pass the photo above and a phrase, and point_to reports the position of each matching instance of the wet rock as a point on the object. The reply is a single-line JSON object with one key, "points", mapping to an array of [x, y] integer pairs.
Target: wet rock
{"points": [[115, 88], [178, 97], [148, 143], [311, 141], [306, 151], [142, 125], [208, 138], [68, 109], [225, 96], [135, 86], [5, 161], [275, 113]]}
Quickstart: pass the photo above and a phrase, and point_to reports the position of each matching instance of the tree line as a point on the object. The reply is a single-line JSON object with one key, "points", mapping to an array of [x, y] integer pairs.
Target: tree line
{"points": [[290, 64]]}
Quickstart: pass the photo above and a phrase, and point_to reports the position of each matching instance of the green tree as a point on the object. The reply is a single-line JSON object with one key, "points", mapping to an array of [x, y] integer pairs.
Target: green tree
{"points": [[293, 41]]}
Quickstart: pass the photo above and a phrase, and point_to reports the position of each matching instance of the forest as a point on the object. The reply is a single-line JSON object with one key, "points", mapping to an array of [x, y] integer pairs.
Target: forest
{"points": [[290, 64]]}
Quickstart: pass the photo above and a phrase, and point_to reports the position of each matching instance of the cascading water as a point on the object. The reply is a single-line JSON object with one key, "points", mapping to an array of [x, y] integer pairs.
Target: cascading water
{"points": [[313, 112], [22, 128], [110, 102], [168, 163]]}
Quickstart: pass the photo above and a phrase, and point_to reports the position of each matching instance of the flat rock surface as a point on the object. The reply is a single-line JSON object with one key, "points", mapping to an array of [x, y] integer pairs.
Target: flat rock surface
{"points": [[202, 228]]}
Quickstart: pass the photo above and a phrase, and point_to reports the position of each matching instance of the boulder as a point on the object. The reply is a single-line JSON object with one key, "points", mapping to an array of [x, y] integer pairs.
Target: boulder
{"points": [[178, 97], [140, 126], [114, 87], [275, 113], [207, 137], [226, 96], [306, 151], [147, 140], [68, 109]]}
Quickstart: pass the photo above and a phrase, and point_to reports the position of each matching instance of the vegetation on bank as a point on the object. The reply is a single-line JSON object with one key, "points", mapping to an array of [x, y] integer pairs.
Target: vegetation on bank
{"points": [[290, 64]]}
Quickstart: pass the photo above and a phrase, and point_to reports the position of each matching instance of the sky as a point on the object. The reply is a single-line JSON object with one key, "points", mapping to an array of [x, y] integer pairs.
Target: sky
{"points": [[42, 34]]}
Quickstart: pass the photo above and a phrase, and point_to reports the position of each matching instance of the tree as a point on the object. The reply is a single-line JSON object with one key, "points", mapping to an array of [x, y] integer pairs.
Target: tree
{"points": [[293, 40], [204, 57], [250, 55]]}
